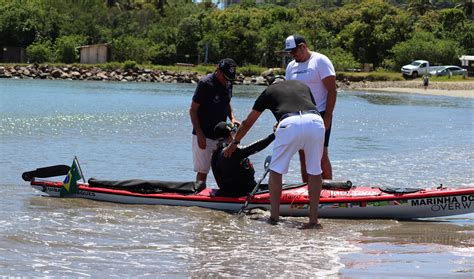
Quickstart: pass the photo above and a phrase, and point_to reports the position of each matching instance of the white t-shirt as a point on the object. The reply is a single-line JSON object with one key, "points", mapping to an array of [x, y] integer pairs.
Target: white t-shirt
{"points": [[312, 72]]}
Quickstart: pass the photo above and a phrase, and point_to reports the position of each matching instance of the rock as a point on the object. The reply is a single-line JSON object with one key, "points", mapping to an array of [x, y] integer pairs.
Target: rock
{"points": [[102, 76], [56, 73]]}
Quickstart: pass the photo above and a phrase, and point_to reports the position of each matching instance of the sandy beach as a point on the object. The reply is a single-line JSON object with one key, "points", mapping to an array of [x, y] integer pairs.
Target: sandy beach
{"points": [[453, 89]]}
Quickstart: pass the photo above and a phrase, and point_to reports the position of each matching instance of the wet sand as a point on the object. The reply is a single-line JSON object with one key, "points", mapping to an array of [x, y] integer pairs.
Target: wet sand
{"points": [[463, 89]]}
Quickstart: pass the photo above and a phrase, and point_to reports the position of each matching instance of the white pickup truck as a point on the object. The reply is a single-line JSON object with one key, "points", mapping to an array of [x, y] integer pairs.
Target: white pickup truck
{"points": [[416, 68]]}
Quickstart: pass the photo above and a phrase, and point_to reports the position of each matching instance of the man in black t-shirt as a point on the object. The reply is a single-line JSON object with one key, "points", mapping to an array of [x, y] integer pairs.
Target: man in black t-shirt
{"points": [[235, 175], [211, 105], [300, 128]]}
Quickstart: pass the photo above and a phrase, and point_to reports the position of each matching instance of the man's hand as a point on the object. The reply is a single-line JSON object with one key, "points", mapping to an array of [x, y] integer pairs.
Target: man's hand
{"points": [[236, 122], [229, 150], [201, 138]]}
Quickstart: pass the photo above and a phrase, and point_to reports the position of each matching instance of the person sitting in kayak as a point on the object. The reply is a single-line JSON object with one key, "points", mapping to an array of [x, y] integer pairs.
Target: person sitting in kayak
{"points": [[235, 174]]}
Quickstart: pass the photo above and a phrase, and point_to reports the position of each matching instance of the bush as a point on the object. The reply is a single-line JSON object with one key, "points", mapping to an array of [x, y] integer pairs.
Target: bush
{"points": [[342, 60], [66, 48], [163, 54], [130, 65], [111, 66], [132, 48], [39, 52], [250, 70]]}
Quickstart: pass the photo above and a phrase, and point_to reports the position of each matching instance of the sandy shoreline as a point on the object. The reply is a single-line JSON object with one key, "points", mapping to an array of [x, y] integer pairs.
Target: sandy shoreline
{"points": [[452, 89]]}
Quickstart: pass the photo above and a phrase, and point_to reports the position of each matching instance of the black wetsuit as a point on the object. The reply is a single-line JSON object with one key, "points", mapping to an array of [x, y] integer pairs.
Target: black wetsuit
{"points": [[235, 174]]}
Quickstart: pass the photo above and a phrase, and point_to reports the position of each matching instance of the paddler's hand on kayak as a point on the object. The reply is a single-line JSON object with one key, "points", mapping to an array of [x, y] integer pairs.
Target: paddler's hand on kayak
{"points": [[201, 138], [236, 122], [228, 150]]}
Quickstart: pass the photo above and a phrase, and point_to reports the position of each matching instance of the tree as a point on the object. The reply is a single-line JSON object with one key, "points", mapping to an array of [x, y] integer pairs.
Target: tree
{"points": [[18, 24], [425, 46], [39, 52], [377, 29], [189, 34], [132, 48], [67, 48], [420, 7]]}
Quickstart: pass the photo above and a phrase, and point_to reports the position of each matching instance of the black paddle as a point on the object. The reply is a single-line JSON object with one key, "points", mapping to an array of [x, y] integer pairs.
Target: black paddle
{"points": [[266, 165]]}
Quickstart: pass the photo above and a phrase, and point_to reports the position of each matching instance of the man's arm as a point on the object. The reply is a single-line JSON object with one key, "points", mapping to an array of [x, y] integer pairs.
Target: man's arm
{"points": [[193, 112], [256, 146], [330, 84], [232, 118], [242, 131]]}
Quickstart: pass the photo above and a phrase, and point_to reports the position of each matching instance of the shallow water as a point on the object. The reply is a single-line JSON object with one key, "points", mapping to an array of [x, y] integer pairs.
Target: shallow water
{"points": [[142, 130]]}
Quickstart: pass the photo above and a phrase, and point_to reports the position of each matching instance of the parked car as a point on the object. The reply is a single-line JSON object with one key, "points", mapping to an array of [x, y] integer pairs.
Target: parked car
{"points": [[447, 70], [416, 68]]}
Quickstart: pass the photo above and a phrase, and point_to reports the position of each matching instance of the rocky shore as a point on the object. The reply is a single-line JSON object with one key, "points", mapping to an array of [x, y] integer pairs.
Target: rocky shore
{"points": [[73, 72], [95, 73]]}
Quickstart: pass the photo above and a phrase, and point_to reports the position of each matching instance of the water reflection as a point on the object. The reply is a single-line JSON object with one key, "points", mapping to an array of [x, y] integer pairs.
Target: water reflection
{"points": [[424, 232], [395, 99]]}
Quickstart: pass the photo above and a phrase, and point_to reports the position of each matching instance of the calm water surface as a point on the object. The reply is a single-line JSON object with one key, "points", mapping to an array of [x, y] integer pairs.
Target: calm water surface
{"points": [[142, 130]]}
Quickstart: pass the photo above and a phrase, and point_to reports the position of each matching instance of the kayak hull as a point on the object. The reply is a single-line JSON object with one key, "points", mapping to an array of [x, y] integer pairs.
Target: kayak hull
{"points": [[358, 202]]}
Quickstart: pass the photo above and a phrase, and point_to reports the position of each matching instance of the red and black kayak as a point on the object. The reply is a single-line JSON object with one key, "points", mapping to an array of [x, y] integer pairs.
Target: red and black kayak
{"points": [[338, 199]]}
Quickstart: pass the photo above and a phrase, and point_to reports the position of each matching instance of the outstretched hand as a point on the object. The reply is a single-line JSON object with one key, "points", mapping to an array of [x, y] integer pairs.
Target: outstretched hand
{"points": [[236, 123], [228, 150]]}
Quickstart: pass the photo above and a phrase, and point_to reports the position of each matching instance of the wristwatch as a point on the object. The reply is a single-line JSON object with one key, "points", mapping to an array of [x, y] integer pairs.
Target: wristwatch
{"points": [[236, 142]]}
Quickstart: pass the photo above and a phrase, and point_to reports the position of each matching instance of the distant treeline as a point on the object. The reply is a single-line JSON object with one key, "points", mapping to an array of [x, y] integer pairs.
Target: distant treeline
{"points": [[386, 34]]}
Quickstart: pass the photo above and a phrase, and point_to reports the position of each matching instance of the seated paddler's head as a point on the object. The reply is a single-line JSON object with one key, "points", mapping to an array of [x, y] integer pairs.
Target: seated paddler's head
{"points": [[223, 131], [271, 78]]}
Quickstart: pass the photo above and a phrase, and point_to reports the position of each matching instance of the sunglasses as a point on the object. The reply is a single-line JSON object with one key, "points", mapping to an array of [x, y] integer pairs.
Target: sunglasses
{"points": [[293, 51], [233, 128]]}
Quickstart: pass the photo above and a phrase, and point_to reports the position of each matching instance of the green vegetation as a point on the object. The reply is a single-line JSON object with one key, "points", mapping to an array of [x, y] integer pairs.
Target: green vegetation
{"points": [[386, 34], [370, 76], [453, 78]]}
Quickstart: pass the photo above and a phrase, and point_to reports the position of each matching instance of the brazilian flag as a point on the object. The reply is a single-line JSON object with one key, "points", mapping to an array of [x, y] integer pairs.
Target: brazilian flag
{"points": [[70, 182]]}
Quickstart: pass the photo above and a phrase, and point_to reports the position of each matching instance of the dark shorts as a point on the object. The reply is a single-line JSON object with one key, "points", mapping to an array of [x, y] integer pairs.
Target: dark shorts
{"points": [[328, 131]]}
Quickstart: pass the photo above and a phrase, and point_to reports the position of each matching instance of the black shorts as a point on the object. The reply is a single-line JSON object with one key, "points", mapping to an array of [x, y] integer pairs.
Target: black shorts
{"points": [[328, 131]]}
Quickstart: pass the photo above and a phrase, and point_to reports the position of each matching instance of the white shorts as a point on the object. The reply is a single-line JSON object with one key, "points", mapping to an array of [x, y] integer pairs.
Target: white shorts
{"points": [[297, 132], [202, 157]]}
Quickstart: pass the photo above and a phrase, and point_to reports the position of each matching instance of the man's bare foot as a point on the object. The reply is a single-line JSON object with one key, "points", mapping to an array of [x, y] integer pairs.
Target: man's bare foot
{"points": [[272, 221], [311, 226]]}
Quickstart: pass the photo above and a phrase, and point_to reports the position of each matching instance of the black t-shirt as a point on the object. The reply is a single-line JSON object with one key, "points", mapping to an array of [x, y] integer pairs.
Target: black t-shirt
{"points": [[284, 97], [214, 103]]}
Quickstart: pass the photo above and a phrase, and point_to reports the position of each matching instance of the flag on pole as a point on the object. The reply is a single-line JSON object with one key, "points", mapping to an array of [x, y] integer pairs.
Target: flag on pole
{"points": [[70, 182]]}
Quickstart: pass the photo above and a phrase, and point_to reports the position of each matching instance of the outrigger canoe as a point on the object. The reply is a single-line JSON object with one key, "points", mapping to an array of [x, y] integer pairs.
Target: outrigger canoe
{"points": [[338, 199]]}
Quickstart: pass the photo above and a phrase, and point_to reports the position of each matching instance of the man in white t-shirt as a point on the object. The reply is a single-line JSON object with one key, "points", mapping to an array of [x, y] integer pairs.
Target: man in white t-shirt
{"points": [[317, 72]]}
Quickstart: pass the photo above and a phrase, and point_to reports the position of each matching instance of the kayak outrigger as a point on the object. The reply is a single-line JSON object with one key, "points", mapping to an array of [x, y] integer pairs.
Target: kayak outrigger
{"points": [[338, 199]]}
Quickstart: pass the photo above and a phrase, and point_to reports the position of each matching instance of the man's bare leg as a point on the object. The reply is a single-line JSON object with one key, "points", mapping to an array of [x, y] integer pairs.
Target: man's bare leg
{"points": [[326, 165], [201, 177], [274, 184], [304, 174], [314, 189]]}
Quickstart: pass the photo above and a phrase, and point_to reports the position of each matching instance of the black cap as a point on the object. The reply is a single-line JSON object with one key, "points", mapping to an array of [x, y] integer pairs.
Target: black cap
{"points": [[293, 42], [222, 130], [227, 66]]}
